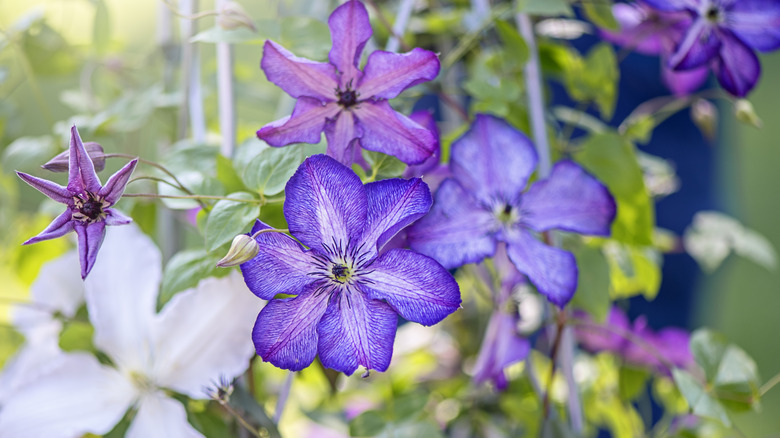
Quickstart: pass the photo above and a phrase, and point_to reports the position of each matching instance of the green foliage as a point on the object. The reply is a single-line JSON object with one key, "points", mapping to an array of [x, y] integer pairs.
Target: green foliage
{"points": [[545, 7], [600, 13], [633, 270], [269, 171], [185, 269], [405, 416], [593, 284], [26, 154], [229, 218]]}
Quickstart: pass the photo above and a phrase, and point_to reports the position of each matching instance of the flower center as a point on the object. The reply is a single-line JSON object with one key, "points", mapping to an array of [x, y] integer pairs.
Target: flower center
{"points": [[506, 213], [347, 97], [713, 14], [341, 273], [89, 208], [341, 266]]}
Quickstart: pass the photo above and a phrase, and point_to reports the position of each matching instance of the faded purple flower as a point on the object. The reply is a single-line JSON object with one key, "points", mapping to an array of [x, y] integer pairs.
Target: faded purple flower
{"points": [[350, 105], [346, 296], [484, 203], [87, 202], [724, 34]]}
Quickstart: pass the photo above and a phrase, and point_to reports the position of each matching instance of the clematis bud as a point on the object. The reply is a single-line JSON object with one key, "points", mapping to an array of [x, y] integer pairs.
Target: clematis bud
{"points": [[745, 113], [232, 16], [60, 162], [243, 249], [705, 115]]}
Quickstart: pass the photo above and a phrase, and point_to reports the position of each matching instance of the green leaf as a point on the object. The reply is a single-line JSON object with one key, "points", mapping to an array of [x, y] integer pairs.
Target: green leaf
{"points": [[229, 218], [613, 161], [195, 166], [633, 382], [600, 13], [228, 176], [708, 349], [28, 153], [513, 42], [545, 7], [593, 78], [593, 283], [633, 270], [700, 402], [384, 166], [241, 35], [369, 423], [640, 129], [269, 172], [731, 372], [409, 405], [185, 269], [77, 336]]}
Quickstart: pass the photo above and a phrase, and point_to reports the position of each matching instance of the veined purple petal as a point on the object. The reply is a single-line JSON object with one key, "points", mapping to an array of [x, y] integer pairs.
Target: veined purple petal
{"points": [[343, 136], [387, 74], [90, 237], [456, 231], [501, 347], [285, 332], [298, 77], [425, 119], [416, 286], [553, 271], [116, 184], [81, 171], [756, 23], [493, 160], [673, 5], [350, 30], [569, 199], [392, 133], [699, 46], [325, 203], [114, 217], [52, 190], [394, 204], [281, 265], [356, 331], [737, 67], [305, 125], [60, 226], [684, 82]]}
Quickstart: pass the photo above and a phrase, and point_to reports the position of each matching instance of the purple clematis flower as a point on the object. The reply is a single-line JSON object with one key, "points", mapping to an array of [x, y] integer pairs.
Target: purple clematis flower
{"points": [[484, 204], [347, 297], [724, 35], [87, 202], [350, 105]]}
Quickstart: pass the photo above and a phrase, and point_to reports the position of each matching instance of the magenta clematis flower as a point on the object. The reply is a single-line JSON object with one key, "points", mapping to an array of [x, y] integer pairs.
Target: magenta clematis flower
{"points": [[652, 32], [350, 105], [724, 34], [484, 204], [88, 202], [346, 295]]}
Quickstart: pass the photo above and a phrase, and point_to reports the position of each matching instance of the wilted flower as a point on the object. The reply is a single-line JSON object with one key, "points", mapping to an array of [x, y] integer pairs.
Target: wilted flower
{"points": [[350, 105], [484, 203], [88, 202], [198, 336], [346, 296]]}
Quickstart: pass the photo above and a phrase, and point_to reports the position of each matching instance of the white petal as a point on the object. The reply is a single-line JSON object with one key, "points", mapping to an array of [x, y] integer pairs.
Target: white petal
{"points": [[160, 416], [28, 364], [205, 333], [78, 396], [122, 296]]}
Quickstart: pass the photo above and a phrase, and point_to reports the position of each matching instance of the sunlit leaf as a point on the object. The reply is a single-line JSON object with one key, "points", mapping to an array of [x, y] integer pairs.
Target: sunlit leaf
{"points": [[230, 218]]}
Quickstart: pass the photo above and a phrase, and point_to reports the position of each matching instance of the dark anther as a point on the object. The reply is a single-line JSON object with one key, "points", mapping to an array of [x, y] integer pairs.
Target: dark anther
{"points": [[347, 98], [339, 271], [507, 209], [92, 209], [713, 13]]}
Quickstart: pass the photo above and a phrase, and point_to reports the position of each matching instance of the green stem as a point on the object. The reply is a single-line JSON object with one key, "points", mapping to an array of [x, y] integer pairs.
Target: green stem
{"points": [[196, 197], [241, 420], [769, 384]]}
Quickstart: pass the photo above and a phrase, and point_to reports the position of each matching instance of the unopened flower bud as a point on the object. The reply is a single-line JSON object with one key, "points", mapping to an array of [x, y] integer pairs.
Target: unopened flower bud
{"points": [[232, 16], [705, 115], [243, 249], [60, 162], [745, 113]]}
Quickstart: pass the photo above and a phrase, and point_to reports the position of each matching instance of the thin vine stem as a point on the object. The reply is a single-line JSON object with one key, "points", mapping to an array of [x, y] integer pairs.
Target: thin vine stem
{"points": [[196, 197], [771, 383]]}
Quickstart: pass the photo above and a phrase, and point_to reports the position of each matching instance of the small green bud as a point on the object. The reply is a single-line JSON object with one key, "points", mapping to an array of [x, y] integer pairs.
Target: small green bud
{"points": [[705, 115], [243, 249], [745, 113]]}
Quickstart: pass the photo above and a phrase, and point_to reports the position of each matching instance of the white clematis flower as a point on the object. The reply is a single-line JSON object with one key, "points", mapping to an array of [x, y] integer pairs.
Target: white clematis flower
{"points": [[200, 335]]}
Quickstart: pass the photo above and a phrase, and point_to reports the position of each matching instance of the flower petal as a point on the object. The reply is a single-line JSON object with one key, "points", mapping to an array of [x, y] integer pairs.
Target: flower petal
{"points": [[201, 335], [553, 271], [114, 217], [425, 119], [737, 68], [160, 416], [417, 287], [456, 231], [76, 397], [356, 330], [90, 238], [394, 204], [387, 74], [298, 77], [350, 30], [493, 160], [636, 31], [116, 184], [58, 288], [392, 133], [699, 46], [673, 5], [342, 135], [60, 226], [325, 203], [684, 82], [51, 189], [501, 347], [569, 199], [281, 265], [756, 23], [285, 332], [81, 171], [121, 295], [305, 125]]}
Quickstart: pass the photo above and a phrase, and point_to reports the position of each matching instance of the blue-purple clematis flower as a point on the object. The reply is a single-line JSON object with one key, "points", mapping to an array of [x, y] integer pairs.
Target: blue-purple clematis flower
{"points": [[346, 295], [350, 105], [88, 202], [724, 34], [484, 203]]}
